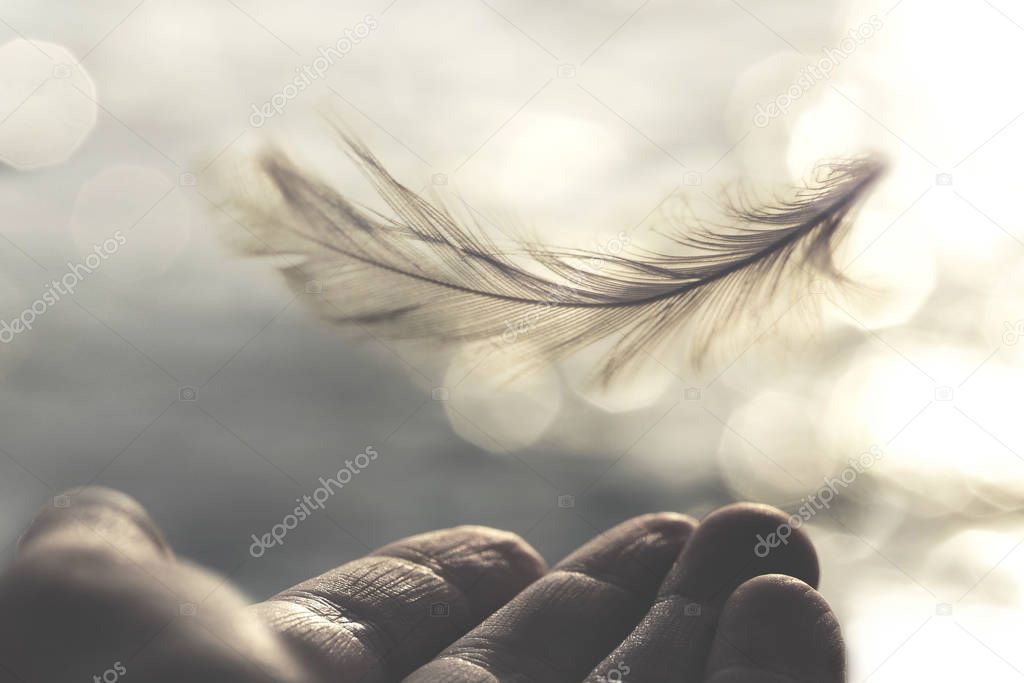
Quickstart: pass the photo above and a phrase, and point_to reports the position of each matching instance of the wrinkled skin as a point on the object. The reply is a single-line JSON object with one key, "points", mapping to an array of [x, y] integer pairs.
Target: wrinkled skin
{"points": [[96, 594]]}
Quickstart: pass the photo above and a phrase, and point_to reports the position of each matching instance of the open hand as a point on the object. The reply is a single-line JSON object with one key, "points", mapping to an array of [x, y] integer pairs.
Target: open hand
{"points": [[96, 594]]}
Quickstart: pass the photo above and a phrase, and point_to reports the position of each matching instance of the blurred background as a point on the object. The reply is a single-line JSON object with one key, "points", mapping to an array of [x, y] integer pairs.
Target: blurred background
{"points": [[197, 382]]}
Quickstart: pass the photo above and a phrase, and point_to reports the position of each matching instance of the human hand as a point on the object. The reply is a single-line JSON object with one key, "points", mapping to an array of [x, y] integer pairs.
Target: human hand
{"points": [[95, 592]]}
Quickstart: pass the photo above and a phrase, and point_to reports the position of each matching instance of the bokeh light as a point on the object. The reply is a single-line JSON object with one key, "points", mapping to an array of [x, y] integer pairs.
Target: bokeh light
{"points": [[47, 103]]}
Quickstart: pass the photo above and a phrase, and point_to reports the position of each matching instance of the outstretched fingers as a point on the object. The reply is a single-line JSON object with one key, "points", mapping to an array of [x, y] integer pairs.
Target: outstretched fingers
{"points": [[562, 625], [380, 617], [672, 641], [657, 599]]}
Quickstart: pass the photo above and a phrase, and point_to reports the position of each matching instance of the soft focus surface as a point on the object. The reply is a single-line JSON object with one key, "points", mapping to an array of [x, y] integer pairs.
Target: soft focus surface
{"points": [[197, 383]]}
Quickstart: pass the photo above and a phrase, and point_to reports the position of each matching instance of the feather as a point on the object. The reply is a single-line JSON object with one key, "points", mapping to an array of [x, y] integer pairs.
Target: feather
{"points": [[419, 273]]}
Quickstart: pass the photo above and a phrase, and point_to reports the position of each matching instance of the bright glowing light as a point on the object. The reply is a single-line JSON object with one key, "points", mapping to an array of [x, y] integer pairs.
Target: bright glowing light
{"points": [[815, 136], [47, 103], [646, 382], [891, 276], [493, 408], [565, 173], [884, 618], [945, 419], [770, 449]]}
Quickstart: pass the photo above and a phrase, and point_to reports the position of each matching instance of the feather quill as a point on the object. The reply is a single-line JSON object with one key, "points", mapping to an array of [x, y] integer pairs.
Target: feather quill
{"points": [[419, 273]]}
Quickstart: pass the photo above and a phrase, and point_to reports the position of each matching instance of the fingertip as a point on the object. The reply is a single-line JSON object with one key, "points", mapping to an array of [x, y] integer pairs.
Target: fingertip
{"points": [[736, 543], [516, 550], [383, 615], [658, 535], [777, 625], [672, 524], [783, 599], [490, 564], [95, 516], [562, 625], [673, 639]]}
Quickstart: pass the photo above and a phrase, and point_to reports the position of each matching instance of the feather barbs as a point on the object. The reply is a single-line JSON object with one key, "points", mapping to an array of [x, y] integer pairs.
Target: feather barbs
{"points": [[418, 273]]}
